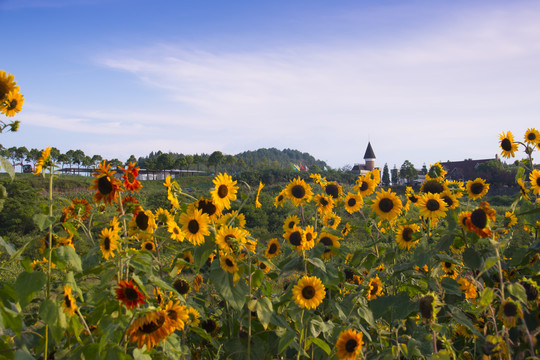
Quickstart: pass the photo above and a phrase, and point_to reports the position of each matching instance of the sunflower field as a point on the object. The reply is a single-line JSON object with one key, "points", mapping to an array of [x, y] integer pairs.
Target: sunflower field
{"points": [[357, 272]]}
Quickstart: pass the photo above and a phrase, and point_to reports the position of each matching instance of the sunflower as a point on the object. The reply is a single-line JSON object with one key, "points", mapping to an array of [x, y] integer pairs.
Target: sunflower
{"points": [[142, 225], [298, 191], [436, 172], [462, 219], [7, 84], [108, 242], [534, 177], [295, 237], [477, 188], [272, 249], [197, 282], [433, 186], [265, 268], [353, 203], [405, 236], [228, 263], [290, 222], [106, 185], [468, 288], [308, 238], [365, 185], [387, 205], [257, 203], [429, 306], [509, 312], [150, 329], [128, 293], [188, 258], [532, 136], [508, 146], [325, 203], [130, 177], [129, 205], [309, 292], [509, 221], [480, 219], [333, 189], [69, 304], [412, 198], [450, 199], [230, 239], [349, 344], [194, 225], [524, 191], [319, 179], [280, 198], [177, 315], [176, 232], [234, 218], [208, 207], [162, 216], [456, 187], [44, 162], [329, 241], [531, 288], [193, 316], [432, 206], [332, 220], [346, 229], [374, 288], [14, 102], [148, 245], [210, 326], [224, 191], [78, 209]]}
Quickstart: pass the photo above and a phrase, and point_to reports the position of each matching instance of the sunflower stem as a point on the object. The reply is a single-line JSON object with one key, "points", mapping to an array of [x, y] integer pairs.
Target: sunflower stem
{"points": [[249, 311], [300, 346], [49, 262], [85, 325]]}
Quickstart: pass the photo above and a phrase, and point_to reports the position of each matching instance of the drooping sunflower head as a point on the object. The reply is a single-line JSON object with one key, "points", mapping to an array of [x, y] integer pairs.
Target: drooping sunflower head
{"points": [[7, 84], [181, 286], [257, 202], [531, 289], [508, 146], [69, 304], [374, 288], [150, 329], [534, 178], [309, 292], [188, 258], [44, 162], [532, 136], [78, 209], [129, 205], [106, 185], [234, 218], [477, 188], [331, 220], [209, 325], [108, 242], [523, 189], [480, 219], [406, 236], [142, 225], [468, 288], [224, 191], [299, 192], [387, 205], [428, 307], [346, 229], [463, 217], [272, 249], [349, 344], [509, 221], [436, 172], [353, 203], [280, 198], [129, 294], [509, 312], [329, 241]]}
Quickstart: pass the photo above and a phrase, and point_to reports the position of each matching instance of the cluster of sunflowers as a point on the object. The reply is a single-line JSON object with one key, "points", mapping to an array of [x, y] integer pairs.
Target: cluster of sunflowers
{"points": [[359, 271], [11, 100]]}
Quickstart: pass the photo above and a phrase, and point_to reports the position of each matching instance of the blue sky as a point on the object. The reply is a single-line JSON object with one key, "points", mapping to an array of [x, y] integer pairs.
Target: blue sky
{"points": [[424, 81]]}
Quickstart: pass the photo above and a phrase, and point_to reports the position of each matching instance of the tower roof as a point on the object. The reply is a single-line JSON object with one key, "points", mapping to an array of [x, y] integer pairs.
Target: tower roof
{"points": [[369, 152]]}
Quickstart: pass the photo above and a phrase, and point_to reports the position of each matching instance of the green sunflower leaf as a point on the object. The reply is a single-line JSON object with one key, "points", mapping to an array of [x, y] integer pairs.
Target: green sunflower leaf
{"points": [[320, 343], [27, 284]]}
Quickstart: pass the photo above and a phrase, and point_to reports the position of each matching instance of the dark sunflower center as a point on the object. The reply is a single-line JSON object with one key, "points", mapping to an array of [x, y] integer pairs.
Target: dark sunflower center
{"points": [[348, 274], [447, 265], [323, 202], [327, 241], [272, 249], [295, 238], [131, 294], [209, 325], [223, 191], [229, 262], [149, 246], [332, 190], [477, 188], [172, 314], [230, 239], [364, 186], [432, 205], [448, 200], [104, 185], [130, 177], [280, 198], [433, 186], [309, 236], [531, 136], [107, 243], [386, 205], [351, 345], [193, 226], [426, 309], [182, 286], [479, 218], [291, 224], [510, 309], [374, 288], [262, 266], [308, 292], [67, 301], [207, 207], [142, 221], [531, 291], [351, 202], [406, 235], [152, 326], [506, 144], [298, 191], [176, 230], [12, 104], [413, 199], [538, 181]]}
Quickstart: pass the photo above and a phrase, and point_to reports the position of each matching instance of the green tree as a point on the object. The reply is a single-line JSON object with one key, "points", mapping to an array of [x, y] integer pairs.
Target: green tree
{"points": [[408, 172], [395, 175], [215, 159], [386, 176]]}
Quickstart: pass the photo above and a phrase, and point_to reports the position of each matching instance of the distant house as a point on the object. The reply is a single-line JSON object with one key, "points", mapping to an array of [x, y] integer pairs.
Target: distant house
{"points": [[369, 162], [463, 170]]}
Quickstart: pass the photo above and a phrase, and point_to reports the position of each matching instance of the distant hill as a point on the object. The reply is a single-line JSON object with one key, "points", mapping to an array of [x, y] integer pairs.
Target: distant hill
{"points": [[286, 156]]}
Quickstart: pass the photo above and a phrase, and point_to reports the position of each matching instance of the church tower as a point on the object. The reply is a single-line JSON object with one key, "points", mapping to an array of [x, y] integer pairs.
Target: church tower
{"points": [[369, 158]]}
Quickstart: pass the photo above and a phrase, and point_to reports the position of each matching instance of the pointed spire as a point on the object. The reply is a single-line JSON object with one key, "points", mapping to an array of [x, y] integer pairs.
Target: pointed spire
{"points": [[369, 152]]}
